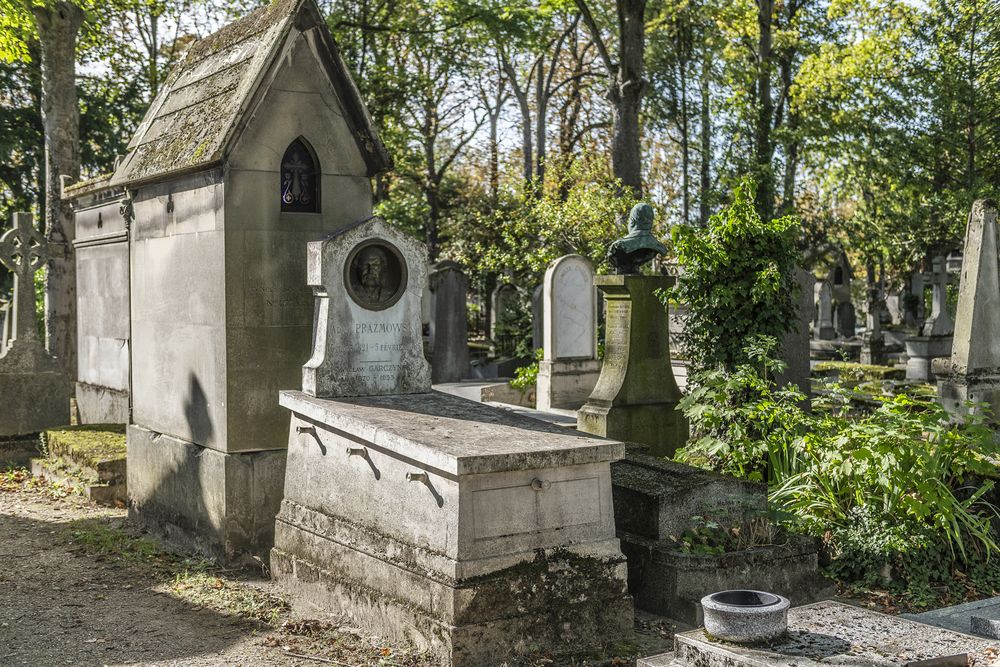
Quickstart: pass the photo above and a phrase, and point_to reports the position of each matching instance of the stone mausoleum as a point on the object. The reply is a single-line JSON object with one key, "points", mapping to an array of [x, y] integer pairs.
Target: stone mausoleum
{"points": [[257, 143]]}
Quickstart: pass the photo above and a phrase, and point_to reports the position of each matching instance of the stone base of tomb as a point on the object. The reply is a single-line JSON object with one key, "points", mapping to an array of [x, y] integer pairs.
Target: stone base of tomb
{"points": [[35, 391], [921, 352], [658, 500], [872, 350], [955, 391], [670, 583], [101, 405], [202, 500], [660, 426], [473, 532], [551, 601], [566, 383]]}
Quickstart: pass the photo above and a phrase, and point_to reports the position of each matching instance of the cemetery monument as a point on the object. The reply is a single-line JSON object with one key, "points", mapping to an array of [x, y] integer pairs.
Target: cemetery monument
{"points": [[636, 396], [935, 338], [449, 326], [257, 143], [973, 372], [473, 532], [34, 390], [569, 367]]}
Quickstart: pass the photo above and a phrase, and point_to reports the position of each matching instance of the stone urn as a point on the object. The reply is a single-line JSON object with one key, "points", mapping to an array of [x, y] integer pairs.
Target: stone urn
{"points": [[745, 617]]}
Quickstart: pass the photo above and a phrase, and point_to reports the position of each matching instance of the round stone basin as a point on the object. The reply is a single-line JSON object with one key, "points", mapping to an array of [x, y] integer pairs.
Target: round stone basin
{"points": [[745, 617]]}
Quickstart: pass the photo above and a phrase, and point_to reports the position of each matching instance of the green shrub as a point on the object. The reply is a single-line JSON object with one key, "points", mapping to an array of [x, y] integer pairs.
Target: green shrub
{"points": [[738, 281], [885, 489], [525, 377]]}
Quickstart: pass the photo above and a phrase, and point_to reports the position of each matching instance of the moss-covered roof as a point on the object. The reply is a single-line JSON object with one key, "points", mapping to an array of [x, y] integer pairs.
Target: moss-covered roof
{"points": [[196, 117]]}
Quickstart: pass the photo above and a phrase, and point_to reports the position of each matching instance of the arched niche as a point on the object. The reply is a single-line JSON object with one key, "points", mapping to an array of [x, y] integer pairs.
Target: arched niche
{"points": [[300, 176]]}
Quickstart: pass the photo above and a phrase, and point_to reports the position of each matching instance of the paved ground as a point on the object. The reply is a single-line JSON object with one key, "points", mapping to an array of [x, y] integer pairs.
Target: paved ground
{"points": [[78, 587]]}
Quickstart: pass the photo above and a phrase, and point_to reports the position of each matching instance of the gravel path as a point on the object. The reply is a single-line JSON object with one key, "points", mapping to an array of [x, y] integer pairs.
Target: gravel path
{"points": [[64, 601], [60, 606]]}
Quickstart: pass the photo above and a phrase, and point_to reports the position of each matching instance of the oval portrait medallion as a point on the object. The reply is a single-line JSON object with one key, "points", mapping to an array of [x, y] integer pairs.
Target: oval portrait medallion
{"points": [[375, 274]]}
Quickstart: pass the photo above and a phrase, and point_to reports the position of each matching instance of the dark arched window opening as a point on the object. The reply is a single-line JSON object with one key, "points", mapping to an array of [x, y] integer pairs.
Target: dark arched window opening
{"points": [[299, 179], [838, 276]]}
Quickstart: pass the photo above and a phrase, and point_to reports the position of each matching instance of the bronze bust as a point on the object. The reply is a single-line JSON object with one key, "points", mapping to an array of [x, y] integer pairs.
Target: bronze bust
{"points": [[629, 253]]}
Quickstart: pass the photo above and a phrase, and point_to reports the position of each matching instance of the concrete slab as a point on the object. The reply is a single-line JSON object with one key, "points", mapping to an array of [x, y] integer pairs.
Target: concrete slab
{"points": [[828, 633], [960, 617]]}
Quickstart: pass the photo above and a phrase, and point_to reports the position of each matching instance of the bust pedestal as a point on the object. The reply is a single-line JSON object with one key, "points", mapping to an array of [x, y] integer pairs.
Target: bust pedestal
{"points": [[636, 396]]}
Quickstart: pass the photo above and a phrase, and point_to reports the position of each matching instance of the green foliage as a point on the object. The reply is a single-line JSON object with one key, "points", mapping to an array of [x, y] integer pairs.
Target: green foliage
{"points": [[883, 488], [581, 213], [513, 330], [738, 281], [526, 377], [708, 537]]}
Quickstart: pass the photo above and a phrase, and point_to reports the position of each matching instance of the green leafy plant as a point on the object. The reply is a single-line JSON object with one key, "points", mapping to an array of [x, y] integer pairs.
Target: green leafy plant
{"points": [[513, 330], [885, 489], [738, 280], [711, 537], [525, 377]]}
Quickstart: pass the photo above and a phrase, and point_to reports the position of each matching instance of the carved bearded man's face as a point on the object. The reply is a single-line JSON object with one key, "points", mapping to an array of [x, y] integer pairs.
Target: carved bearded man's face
{"points": [[373, 262]]}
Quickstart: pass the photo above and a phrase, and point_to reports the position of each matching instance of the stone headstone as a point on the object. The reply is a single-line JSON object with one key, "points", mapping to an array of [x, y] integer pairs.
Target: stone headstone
{"points": [[501, 301], [34, 388], [368, 279], [894, 304], [872, 343], [449, 322], [940, 322], [569, 368], [973, 373], [914, 302], [636, 396], [824, 311], [845, 321], [537, 318], [935, 339], [795, 343]]}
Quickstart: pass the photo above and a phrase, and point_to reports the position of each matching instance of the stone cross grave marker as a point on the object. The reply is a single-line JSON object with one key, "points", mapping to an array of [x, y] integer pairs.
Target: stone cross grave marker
{"points": [[23, 250], [940, 322], [824, 311]]}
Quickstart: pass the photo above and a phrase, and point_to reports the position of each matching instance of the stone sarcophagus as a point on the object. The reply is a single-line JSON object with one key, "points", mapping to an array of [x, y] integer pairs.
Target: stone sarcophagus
{"points": [[473, 532]]}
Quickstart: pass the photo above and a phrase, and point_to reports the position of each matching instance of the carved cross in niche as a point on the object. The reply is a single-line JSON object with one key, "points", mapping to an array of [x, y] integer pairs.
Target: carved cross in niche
{"points": [[296, 175], [24, 250]]}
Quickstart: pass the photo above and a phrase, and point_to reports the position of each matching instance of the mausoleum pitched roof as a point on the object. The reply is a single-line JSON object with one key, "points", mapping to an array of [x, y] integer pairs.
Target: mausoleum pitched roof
{"points": [[200, 110]]}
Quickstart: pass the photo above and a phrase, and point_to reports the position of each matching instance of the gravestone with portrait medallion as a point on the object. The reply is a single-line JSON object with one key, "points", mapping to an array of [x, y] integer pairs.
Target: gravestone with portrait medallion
{"points": [[367, 279]]}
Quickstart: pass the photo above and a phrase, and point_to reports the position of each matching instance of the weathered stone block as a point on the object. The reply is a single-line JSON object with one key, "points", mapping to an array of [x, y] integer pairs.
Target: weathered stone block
{"points": [[473, 532], [636, 396], [221, 505]]}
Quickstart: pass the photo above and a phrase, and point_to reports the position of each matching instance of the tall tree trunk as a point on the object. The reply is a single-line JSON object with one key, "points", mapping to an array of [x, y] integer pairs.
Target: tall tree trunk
{"points": [[494, 167], [705, 180], [791, 143], [541, 112], [625, 88], [685, 145], [522, 102], [58, 25], [626, 150], [763, 147]]}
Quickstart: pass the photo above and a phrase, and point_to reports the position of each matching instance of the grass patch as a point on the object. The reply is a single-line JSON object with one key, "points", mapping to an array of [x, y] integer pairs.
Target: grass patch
{"points": [[91, 444], [205, 589], [847, 370]]}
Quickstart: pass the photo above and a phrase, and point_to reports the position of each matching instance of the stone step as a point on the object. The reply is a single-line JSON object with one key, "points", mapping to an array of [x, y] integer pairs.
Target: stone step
{"points": [[89, 458], [66, 475]]}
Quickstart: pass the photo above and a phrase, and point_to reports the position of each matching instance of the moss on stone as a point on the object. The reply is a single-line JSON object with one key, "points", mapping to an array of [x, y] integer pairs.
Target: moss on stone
{"points": [[852, 371], [90, 445]]}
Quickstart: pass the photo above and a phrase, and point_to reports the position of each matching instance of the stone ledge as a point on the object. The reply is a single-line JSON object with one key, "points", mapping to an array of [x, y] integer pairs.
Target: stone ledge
{"points": [[453, 435]]}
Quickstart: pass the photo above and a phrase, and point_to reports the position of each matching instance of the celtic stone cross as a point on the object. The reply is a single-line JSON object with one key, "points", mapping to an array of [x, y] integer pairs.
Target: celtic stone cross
{"points": [[23, 250]]}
